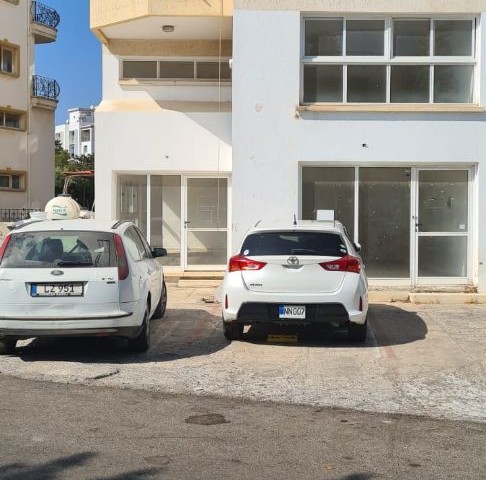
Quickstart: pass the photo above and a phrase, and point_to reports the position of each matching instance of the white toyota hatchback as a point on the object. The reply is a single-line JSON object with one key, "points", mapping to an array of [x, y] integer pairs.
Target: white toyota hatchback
{"points": [[309, 273], [79, 278]]}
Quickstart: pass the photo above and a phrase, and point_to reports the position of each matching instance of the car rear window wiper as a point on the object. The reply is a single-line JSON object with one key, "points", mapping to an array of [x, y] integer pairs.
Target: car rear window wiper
{"points": [[74, 264]]}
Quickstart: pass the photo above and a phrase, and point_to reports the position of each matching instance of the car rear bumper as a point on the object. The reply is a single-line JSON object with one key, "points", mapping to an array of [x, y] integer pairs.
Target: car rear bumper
{"points": [[129, 332], [116, 321], [316, 314]]}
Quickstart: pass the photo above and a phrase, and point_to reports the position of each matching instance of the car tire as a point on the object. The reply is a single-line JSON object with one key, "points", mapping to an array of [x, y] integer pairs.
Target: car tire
{"points": [[7, 346], [162, 305], [233, 330], [357, 331], [141, 343]]}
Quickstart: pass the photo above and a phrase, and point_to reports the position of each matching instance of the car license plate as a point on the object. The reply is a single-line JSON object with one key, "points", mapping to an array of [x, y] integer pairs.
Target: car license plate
{"points": [[56, 290], [291, 311]]}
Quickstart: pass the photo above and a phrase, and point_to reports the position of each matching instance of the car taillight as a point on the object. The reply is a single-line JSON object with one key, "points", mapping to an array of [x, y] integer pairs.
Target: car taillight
{"points": [[239, 263], [121, 257], [5, 243], [344, 264]]}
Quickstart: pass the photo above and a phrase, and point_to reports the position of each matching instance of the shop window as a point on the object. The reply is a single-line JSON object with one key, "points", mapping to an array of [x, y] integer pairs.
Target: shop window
{"points": [[388, 60]]}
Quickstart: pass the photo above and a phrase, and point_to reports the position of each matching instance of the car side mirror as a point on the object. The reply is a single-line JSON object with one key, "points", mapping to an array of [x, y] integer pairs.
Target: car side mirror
{"points": [[357, 246], [159, 252]]}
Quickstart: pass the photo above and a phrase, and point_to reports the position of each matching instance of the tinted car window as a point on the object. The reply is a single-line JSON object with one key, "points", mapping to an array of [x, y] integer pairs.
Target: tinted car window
{"points": [[294, 243], [59, 249]]}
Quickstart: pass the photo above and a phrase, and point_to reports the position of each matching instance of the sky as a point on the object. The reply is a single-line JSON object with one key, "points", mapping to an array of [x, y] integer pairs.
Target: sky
{"points": [[74, 60]]}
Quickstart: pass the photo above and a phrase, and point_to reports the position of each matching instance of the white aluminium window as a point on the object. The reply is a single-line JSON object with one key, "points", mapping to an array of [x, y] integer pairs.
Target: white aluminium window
{"points": [[185, 69], [388, 60]]}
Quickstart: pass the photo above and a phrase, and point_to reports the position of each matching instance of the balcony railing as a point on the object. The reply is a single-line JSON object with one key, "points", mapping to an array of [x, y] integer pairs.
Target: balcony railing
{"points": [[15, 214], [43, 87], [44, 15]]}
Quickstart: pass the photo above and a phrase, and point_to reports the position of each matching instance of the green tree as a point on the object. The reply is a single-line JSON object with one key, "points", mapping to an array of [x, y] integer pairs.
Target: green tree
{"points": [[81, 189]]}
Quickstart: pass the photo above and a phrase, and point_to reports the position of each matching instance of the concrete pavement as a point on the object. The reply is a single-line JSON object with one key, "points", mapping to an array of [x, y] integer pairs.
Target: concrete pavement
{"points": [[420, 359]]}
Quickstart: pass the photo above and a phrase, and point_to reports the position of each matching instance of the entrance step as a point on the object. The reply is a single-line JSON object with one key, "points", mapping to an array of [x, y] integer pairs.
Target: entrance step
{"points": [[206, 283], [195, 279], [444, 298]]}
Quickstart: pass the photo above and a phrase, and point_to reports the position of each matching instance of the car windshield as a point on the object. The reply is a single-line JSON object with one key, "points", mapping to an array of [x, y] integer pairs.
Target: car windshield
{"points": [[59, 249], [324, 244]]}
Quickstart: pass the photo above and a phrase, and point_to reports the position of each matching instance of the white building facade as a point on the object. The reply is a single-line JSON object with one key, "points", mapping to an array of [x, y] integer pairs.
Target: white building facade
{"points": [[163, 148], [373, 109], [77, 135], [27, 105]]}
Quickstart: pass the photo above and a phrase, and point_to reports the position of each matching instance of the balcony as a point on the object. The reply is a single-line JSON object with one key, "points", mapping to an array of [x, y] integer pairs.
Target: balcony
{"points": [[143, 20], [45, 92], [44, 22]]}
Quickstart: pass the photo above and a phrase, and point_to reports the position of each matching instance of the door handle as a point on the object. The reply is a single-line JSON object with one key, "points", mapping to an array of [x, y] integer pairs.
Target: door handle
{"points": [[186, 223]]}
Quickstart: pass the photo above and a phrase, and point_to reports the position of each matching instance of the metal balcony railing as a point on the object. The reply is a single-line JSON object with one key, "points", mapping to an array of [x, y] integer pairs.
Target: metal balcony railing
{"points": [[45, 88], [44, 15], [15, 214]]}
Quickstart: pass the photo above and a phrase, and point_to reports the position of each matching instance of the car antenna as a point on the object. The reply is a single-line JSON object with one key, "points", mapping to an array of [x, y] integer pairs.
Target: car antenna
{"points": [[295, 220]]}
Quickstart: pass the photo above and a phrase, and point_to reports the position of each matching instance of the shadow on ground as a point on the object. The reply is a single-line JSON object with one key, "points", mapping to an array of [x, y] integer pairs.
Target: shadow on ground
{"points": [[182, 333], [186, 333], [58, 468], [388, 325]]}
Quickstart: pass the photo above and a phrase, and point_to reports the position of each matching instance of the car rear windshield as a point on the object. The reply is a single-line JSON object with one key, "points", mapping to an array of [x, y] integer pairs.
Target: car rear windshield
{"points": [[294, 243], [59, 249]]}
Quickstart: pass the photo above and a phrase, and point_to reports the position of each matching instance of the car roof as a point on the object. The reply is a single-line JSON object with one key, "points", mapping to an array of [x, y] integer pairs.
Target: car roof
{"points": [[301, 226], [76, 224]]}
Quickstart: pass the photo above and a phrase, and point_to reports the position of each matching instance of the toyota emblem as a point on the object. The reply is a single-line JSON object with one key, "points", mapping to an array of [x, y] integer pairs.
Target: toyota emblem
{"points": [[293, 261]]}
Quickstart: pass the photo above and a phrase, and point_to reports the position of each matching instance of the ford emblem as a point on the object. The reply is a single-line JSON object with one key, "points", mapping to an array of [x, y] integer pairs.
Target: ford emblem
{"points": [[57, 273]]}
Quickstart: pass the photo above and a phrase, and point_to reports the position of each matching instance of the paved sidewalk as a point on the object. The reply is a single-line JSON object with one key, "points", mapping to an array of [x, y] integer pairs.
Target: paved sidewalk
{"points": [[420, 359]]}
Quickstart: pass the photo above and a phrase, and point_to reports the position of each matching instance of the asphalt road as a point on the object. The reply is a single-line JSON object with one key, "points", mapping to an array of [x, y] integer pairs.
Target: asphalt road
{"points": [[55, 431]]}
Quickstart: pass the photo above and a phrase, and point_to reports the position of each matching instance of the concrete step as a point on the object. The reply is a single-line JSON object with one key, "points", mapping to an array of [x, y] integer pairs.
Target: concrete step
{"points": [[198, 283], [444, 298]]}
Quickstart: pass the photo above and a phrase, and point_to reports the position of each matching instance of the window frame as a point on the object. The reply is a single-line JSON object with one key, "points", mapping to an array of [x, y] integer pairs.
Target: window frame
{"points": [[13, 173], [181, 80], [388, 60], [15, 49], [19, 113]]}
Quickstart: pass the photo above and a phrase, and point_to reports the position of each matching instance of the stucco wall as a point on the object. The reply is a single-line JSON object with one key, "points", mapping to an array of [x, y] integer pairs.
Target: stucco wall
{"points": [[270, 140]]}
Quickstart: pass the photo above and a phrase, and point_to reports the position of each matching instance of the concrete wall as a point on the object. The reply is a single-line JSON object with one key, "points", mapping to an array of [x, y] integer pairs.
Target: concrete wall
{"points": [[271, 142], [42, 173], [157, 129]]}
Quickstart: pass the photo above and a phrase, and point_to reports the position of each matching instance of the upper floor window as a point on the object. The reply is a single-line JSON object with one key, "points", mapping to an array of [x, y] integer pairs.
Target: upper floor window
{"points": [[12, 180], [13, 120], [85, 135], [8, 58], [389, 60], [192, 70]]}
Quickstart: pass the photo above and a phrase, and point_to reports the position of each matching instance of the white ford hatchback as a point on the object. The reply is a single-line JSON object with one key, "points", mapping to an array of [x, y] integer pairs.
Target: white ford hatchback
{"points": [[309, 273], [79, 278]]}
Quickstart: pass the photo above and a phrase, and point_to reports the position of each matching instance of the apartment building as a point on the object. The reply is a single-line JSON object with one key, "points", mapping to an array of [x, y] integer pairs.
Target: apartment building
{"points": [[77, 134], [27, 105], [373, 109]]}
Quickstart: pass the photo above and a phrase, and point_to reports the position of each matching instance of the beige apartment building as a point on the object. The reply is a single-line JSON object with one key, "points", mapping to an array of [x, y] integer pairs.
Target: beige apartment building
{"points": [[27, 105]]}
